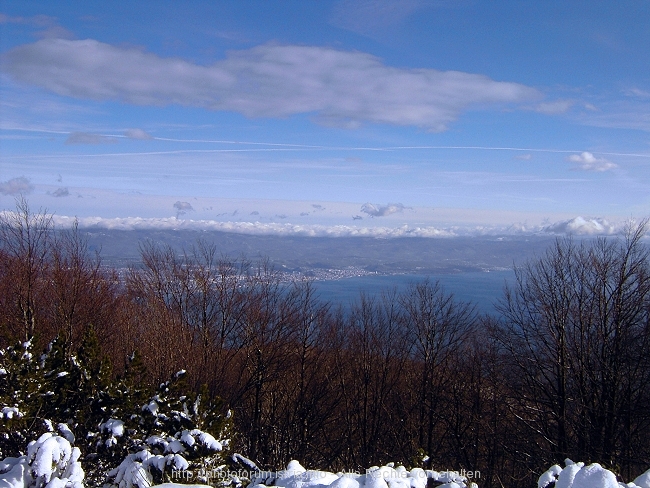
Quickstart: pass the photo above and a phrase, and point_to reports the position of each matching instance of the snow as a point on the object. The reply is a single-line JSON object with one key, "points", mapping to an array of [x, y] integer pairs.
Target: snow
{"points": [[568, 474], [550, 476], [187, 438], [53, 462], [175, 446], [131, 473], [10, 412], [296, 476], [176, 485], [643, 481], [180, 462], [207, 440], [135, 469], [577, 475], [238, 458], [345, 481], [116, 429], [114, 426], [66, 432], [48, 453], [153, 407], [16, 471], [50, 462], [594, 476]]}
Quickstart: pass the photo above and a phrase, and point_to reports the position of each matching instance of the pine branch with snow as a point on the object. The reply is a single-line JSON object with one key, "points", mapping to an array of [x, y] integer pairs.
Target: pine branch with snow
{"points": [[171, 432]]}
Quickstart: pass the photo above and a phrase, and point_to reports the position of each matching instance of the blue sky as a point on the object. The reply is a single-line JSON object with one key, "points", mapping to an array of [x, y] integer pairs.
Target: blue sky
{"points": [[328, 117]]}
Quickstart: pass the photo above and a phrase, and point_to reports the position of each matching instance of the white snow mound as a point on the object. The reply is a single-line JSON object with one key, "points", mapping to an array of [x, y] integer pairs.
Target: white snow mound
{"points": [[296, 476]]}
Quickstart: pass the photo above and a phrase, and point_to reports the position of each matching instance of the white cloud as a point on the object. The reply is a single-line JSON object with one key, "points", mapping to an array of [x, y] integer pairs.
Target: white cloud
{"points": [[555, 107], [340, 87], [376, 210], [16, 186], [588, 162], [378, 19], [624, 113], [137, 134], [49, 25], [88, 138], [372, 17], [55, 32], [585, 226], [637, 92]]}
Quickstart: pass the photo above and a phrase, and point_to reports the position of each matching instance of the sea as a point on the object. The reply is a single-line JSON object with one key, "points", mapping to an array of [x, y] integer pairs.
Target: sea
{"points": [[482, 288]]}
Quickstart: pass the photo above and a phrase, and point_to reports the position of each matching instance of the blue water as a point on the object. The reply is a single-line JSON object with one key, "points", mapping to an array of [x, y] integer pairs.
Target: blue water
{"points": [[480, 288]]}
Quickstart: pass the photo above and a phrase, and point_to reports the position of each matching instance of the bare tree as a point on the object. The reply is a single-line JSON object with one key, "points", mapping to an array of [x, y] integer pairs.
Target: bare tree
{"points": [[576, 332], [25, 242], [159, 292], [375, 355], [79, 292], [437, 324]]}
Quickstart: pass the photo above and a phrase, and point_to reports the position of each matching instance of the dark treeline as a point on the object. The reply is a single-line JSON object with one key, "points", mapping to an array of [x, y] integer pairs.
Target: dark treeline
{"points": [[415, 377]]}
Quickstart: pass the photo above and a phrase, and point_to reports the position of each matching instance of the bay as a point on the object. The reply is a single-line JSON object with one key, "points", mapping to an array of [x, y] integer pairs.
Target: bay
{"points": [[483, 288]]}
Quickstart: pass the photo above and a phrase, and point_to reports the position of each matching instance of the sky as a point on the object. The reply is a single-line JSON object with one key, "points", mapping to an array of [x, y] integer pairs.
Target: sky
{"points": [[410, 117]]}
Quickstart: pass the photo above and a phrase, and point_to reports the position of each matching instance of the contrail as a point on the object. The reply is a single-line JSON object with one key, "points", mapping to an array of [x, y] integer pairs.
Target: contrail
{"points": [[279, 146], [394, 148], [298, 148], [521, 149]]}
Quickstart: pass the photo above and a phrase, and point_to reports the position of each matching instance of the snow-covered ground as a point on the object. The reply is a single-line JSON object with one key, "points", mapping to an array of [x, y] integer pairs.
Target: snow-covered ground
{"points": [[295, 476], [577, 475], [52, 462]]}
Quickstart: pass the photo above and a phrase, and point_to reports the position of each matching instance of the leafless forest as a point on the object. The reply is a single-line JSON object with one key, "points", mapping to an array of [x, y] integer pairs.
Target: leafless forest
{"points": [[417, 377]]}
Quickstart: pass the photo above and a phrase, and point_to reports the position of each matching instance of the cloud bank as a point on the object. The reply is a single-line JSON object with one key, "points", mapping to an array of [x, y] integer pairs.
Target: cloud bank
{"points": [[578, 226], [340, 88]]}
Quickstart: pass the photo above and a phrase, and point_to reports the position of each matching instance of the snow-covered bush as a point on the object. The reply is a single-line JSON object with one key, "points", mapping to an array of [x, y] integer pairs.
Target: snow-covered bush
{"points": [[119, 423], [50, 462], [577, 475]]}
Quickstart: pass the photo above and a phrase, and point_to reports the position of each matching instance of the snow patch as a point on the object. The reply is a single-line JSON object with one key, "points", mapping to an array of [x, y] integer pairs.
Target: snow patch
{"points": [[10, 413]]}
